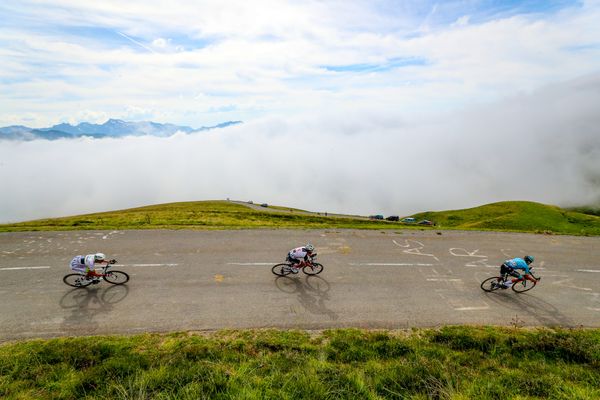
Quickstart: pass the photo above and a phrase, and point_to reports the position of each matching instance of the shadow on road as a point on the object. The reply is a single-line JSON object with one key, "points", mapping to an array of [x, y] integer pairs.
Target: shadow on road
{"points": [[528, 304], [88, 303], [312, 292]]}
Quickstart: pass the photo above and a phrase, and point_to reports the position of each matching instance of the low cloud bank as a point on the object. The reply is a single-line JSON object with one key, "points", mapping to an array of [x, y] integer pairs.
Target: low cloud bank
{"points": [[543, 146]]}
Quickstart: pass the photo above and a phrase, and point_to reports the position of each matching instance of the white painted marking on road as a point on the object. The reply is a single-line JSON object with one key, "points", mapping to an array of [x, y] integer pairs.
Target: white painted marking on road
{"points": [[18, 268], [444, 280], [588, 270], [414, 250], [148, 265], [472, 308], [391, 265], [254, 263]]}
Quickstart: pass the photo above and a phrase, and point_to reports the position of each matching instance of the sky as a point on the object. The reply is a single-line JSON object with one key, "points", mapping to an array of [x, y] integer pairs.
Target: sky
{"points": [[363, 107]]}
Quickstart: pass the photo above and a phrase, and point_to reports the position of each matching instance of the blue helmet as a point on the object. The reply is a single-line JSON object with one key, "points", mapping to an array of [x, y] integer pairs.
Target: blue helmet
{"points": [[528, 259]]}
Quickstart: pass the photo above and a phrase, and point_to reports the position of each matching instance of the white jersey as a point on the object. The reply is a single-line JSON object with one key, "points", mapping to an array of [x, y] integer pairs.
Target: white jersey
{"points": [[82, 263], [298, 253]]}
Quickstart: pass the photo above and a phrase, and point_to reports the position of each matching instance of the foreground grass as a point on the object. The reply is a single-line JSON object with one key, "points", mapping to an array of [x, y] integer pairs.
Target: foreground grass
{"points": [[449, 363], [505, 216]]}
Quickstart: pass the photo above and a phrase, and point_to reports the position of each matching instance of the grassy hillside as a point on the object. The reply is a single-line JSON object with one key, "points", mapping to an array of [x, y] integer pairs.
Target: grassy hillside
{"points": [[448, 363], [521, 216], [505, 216], [196, 215]]}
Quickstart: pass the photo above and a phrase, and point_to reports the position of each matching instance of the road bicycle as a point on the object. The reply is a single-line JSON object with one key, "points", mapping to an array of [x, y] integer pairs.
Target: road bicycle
{"points": [[106, 274], [520, 286], [309, 267]]}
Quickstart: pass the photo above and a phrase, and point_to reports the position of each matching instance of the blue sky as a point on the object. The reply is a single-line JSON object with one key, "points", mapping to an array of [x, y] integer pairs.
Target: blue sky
{"points": [[198, 63]]}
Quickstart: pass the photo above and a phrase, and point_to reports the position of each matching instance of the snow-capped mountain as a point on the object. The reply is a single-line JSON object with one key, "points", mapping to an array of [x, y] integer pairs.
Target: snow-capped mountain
{"points": [[111, 128]]}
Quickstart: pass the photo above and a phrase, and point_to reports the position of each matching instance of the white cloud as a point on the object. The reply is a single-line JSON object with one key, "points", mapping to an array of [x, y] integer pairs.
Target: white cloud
{"points": [[267, 58], [543, 147]]}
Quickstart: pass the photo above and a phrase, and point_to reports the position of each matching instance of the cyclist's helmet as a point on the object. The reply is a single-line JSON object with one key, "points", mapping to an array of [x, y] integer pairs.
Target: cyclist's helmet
{"points": [[528, 259], [99, 257], [309, 247]]}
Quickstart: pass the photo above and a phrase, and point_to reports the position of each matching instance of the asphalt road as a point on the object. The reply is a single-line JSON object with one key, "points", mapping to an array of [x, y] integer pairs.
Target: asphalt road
{"points": [[203, 280]]}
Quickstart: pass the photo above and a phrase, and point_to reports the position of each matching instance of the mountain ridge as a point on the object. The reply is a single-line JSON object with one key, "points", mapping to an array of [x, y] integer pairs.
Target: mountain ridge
{"points": [[112, 128]]}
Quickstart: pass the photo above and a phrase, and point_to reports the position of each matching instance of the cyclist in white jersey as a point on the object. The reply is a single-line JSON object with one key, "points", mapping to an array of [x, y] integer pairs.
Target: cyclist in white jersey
{"points": [[298, 254], [85, 264]]}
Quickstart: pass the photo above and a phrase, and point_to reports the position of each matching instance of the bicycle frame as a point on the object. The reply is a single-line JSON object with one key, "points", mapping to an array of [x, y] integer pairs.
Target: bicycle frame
{"points": [[527, 277], [302, 264], [103, 272]]}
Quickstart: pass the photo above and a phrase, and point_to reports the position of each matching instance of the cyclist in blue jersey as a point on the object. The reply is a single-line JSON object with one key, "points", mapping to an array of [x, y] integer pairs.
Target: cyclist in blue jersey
{"points": [[511, 267]]}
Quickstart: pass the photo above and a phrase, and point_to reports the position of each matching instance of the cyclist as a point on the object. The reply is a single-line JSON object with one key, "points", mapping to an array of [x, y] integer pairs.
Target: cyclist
{"points": [[303, 253], [85, 264], [511, 267]]}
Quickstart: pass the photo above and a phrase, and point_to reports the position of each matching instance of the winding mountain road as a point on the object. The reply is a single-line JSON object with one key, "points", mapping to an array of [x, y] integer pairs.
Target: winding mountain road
{"points": [[205, 280]]}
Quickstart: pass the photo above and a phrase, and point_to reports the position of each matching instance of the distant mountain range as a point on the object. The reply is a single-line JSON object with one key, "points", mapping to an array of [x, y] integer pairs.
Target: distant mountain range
{"points": [[112, 128]]}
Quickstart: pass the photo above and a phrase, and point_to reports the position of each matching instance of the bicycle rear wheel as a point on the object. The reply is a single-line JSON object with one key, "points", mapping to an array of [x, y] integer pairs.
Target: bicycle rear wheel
{"points": [[491, 284], [523, 286], [281, 269], [116, 277], [76, 280], [313, 269]]}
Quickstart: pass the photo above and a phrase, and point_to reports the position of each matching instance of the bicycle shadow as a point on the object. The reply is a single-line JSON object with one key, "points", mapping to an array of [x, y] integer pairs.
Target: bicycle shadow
{"points": [[88, 303], [543, 312], [312, 293]]}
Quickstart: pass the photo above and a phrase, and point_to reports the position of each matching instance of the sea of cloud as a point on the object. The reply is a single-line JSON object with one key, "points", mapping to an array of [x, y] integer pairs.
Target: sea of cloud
{"points": [[542, 146]]}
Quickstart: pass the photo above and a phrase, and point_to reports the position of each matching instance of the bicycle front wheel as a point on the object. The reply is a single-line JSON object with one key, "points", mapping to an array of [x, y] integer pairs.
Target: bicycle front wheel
{"points": [[491, 284], [523, 286], [313, 269], [76, 280], [116, 277], [281, 269]]}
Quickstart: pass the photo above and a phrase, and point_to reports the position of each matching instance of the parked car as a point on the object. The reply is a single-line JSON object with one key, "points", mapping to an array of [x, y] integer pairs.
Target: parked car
{"points": [[393, 218], [425, 222], [264, 205], [409, 220], [378, 216]]}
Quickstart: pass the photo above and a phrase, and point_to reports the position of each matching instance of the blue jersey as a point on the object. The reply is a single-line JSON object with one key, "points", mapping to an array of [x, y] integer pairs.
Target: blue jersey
{"points": [[517, 263]]}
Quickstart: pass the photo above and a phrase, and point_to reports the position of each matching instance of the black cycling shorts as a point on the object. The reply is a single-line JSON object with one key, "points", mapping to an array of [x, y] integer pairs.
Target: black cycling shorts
{"points": [[505, 269]]}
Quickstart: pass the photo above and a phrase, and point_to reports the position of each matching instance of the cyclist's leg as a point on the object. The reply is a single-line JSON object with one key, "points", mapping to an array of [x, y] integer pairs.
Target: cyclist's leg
{"points": [[295, 264], [504, 273], [516, 278]]}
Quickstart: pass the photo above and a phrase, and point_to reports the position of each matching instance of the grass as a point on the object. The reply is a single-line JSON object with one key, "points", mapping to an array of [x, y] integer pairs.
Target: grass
{"points": [[447, 363], [590, 210], [195, 215], [517, 216]]}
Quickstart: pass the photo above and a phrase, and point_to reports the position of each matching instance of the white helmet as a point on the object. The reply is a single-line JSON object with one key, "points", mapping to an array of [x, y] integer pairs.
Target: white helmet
{"points": [[309, 247], [99, 257]]}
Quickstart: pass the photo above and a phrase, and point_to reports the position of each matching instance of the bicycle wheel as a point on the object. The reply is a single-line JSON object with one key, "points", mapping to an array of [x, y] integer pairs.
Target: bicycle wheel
{"points": [[116, 277], [313, 269], [281, 269], [523, 286], [491, 284], [76, 280]]}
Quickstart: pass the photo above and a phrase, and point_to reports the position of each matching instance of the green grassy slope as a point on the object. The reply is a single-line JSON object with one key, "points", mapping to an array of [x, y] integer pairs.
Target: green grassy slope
{"points": [[194, 215], [516, 216], [448, 363], [520, 216]]}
